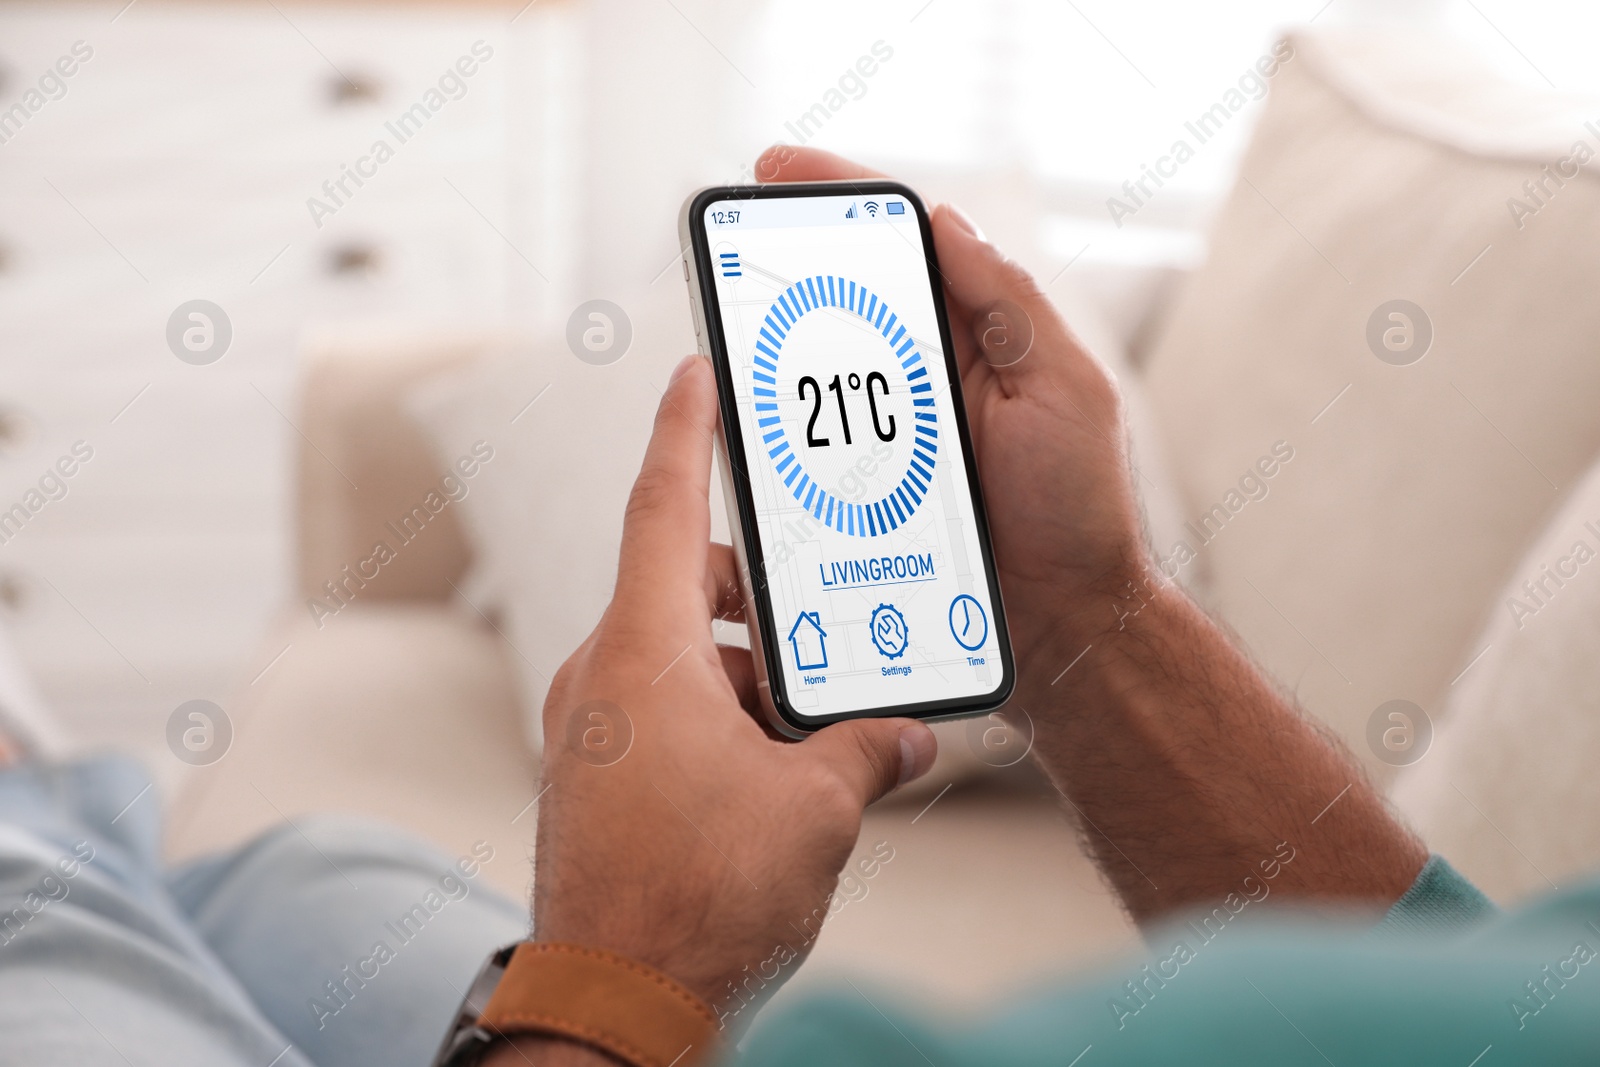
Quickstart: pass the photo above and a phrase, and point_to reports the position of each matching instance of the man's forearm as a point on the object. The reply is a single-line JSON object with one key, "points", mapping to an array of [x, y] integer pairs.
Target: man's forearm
{"points": [[1189, 771]]}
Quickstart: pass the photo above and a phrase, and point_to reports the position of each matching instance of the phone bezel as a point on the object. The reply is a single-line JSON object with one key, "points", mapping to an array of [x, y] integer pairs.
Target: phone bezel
{"points": [[734, 454]]}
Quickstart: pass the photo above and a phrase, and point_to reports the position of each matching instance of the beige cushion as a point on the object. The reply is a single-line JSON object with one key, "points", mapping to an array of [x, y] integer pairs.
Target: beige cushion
{"points": [[1381, 170], [545, 517], [404, 713], [1509, 791], [363, 467]]}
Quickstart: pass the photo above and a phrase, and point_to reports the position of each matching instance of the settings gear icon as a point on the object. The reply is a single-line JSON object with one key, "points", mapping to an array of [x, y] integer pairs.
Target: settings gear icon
{"points": [[888, 628]]}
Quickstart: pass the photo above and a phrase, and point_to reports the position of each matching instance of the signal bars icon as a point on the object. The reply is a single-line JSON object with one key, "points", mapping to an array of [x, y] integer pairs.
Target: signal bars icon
{"points": [[871, 208]]}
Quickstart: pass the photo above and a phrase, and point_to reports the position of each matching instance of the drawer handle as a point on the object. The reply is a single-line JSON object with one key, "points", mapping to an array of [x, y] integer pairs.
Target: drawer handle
{"points": [[17, 431], [352, 260], [14, 592], [355, 88]]}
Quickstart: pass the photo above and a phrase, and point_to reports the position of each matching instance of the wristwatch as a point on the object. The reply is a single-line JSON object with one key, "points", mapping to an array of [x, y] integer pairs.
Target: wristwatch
{"points": [[589, 996], [466, 1041]]}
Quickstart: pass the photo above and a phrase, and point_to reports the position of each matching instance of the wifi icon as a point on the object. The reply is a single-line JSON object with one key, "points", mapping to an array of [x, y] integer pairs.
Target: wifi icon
{"points": [[871, 207]]}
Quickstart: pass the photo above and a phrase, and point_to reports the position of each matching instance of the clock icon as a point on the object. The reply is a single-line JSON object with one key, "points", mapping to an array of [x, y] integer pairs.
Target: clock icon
{"points": [[888, 628], [969, 623]]}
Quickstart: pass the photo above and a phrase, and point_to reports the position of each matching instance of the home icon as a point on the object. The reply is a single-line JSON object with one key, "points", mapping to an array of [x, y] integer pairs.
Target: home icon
{"points": [[808, 639]]}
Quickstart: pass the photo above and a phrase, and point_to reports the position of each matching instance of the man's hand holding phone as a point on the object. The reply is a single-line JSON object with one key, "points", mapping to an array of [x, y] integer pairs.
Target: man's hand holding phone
{"points": [[702, 848], [675, 830], [698, 848], [696, 851], [1178, 756]]}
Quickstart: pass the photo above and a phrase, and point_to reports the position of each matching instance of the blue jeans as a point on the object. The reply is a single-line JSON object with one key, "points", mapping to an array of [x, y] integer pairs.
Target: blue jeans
{"points": [[331, 942]]}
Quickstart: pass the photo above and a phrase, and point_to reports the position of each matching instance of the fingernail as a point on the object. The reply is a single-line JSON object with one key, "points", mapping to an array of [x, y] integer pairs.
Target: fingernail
{"points": [[917, 750], [965, 222], [681, 368]]}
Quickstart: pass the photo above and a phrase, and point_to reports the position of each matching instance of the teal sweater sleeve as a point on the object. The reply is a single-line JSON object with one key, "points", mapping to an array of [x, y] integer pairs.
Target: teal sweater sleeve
{"points": [[1440, 901], [1444, 978]]}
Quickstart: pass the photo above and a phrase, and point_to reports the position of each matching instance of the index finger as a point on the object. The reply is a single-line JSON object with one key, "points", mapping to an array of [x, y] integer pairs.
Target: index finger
{"points": [[787, 163], [668, 522], [975, 275]]}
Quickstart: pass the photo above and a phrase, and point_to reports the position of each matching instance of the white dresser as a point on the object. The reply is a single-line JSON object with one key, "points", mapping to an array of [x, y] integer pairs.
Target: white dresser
{"points": [[177, 165]]}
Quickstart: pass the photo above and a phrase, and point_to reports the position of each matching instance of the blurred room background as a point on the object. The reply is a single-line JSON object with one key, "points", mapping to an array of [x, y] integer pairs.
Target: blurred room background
{"points": [[178, 163], [194, 153]]}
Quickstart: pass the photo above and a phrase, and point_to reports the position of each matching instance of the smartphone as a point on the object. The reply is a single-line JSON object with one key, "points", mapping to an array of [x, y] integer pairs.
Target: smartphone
{"points": [[859, 527]]}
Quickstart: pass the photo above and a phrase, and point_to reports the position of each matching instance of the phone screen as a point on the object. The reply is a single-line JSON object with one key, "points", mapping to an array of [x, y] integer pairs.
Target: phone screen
{"points": [[870, 535]]}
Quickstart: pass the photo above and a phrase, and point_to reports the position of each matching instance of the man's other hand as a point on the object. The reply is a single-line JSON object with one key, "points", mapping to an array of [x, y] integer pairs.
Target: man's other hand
{"points": [[1046, 422]]}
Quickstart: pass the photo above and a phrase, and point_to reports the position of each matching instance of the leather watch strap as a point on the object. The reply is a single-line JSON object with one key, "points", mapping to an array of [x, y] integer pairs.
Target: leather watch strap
{"points": [[615, 1004]]}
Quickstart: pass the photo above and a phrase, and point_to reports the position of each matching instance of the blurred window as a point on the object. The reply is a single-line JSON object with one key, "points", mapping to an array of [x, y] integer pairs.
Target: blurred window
{"points": [[1082, 95]]}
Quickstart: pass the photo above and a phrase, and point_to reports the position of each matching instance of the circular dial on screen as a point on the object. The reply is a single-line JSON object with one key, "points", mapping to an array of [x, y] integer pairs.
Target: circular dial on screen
{"points": [[844, 406]]}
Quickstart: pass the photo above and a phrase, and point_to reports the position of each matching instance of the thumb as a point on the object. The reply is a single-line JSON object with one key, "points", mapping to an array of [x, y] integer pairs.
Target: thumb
{"points": [[874, 755], [668, 522]]}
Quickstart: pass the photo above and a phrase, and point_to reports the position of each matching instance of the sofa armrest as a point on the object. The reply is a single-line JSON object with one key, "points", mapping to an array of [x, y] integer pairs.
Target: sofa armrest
{"points": [[364, 464]]}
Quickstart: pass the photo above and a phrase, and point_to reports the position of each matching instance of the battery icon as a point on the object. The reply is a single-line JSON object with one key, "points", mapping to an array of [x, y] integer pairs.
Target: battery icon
{"points": [[896, 208]]}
